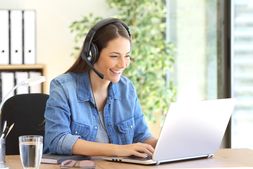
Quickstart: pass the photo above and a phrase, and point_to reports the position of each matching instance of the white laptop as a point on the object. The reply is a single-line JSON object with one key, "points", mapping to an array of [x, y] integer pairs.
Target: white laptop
{"points": [[192, 129]]}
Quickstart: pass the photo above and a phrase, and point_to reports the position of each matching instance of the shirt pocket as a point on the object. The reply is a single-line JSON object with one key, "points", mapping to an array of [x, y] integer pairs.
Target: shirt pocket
{"points": [[126, 131], [82, 130]]}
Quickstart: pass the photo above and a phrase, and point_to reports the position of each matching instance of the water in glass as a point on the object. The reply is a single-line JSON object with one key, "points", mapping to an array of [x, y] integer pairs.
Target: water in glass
{"points": [[30, 153]]}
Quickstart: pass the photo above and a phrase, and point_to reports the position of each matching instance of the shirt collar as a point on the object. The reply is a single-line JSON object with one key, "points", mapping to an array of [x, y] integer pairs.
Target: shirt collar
{"points": [[83, 90]]}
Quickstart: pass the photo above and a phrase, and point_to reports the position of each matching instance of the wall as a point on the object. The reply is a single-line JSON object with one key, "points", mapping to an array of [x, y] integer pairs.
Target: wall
{"points": [[54, 40]]}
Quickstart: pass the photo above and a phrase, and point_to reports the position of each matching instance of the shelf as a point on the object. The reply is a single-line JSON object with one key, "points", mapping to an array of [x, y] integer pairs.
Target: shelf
{"points": [[21, 67], [24, 68]]}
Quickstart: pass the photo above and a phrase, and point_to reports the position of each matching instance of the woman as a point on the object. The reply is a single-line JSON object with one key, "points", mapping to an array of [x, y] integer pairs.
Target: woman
{"points": [[93, 109]]}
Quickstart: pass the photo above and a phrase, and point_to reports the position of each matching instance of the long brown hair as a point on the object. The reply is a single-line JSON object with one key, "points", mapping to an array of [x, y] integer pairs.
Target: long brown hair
{"points": [[100, 39]]}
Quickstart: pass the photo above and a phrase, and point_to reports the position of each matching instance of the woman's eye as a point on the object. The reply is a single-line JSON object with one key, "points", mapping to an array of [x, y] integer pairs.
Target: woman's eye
{"points": [[114, 56]]}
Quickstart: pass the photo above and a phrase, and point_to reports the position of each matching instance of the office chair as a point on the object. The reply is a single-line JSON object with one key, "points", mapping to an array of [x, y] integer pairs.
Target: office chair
{"points": [[27, 112]]}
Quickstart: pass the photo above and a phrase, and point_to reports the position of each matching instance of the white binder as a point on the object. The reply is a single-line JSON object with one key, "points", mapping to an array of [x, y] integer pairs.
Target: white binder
{"points": [[38, 87], [4, 37], [7, 84], [29, 37], [16, 36], [21, 76]]}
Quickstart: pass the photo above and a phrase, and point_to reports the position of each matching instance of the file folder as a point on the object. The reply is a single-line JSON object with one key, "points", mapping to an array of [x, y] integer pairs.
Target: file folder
{"points": [[4, 37], [7, 84], [29, 37], [16, 36], [19, 77], [35, 88]]}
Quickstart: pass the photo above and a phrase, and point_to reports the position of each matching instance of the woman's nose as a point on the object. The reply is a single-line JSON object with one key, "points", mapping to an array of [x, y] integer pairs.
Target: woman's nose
{"points": [[123, 62]]}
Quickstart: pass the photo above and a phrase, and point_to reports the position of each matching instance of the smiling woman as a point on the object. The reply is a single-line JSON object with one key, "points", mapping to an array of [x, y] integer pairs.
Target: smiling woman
{"points": [[93, 109], [114, 58], [152, 61]]}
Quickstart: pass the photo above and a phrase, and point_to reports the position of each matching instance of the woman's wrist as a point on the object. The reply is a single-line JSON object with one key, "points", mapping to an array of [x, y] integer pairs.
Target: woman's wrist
{"points": [[114, 149]]}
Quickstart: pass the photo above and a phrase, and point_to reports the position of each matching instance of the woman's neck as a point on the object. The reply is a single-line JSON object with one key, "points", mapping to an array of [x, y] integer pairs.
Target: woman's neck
{"points": [[99, 89], [97, 84]]}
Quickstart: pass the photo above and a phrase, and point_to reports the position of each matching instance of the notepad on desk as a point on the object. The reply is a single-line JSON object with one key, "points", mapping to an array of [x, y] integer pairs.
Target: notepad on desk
{"points": [[57, 159]]}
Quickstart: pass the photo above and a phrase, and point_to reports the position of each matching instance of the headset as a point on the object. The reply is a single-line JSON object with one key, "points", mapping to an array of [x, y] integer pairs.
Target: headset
{"points": [[90, 53]]}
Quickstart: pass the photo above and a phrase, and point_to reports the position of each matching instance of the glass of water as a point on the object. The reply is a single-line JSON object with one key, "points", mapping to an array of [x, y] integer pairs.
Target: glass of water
{"points": [[30, 149]]}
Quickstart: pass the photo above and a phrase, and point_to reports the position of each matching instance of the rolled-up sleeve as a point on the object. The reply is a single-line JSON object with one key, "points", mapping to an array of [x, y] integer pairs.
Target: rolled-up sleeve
{"points": [[58, 137]]}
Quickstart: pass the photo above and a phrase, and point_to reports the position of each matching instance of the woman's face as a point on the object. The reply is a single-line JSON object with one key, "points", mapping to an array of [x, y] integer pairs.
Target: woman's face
{"points": [[114, 59]]}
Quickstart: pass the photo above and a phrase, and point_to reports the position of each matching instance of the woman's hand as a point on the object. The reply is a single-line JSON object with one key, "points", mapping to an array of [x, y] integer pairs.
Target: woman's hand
{"points": [[137, 149]]}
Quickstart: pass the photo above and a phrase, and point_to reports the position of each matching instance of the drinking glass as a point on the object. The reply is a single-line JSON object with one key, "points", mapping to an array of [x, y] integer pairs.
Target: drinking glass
{"points": [[2, 154], [30, 149]]}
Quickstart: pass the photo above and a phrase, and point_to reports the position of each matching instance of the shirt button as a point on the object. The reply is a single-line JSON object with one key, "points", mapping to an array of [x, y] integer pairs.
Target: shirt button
{"points": [[131, 126], [76, 132], [96, 127]]}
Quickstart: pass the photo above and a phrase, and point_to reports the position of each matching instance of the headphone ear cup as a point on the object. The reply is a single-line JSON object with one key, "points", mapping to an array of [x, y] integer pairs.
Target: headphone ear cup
{"points": [[93, 53]]}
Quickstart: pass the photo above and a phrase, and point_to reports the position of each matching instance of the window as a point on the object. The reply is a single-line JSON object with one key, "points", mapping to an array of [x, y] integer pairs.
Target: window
{"points": [[192, 27], [199, 31]]}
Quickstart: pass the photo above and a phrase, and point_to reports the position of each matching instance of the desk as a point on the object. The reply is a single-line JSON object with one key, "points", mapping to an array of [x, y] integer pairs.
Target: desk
{"points": [[223, 158]]}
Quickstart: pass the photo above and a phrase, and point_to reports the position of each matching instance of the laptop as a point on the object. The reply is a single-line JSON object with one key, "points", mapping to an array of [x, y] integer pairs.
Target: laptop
{"points": [[191, 130]]}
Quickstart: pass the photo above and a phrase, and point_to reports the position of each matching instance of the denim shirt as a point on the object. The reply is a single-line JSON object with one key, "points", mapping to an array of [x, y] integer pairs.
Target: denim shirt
{"points": [[71, 114]]}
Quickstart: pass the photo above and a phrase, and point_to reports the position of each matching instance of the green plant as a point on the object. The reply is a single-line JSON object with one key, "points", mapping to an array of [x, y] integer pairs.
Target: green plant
{"points": [[153, 56]]}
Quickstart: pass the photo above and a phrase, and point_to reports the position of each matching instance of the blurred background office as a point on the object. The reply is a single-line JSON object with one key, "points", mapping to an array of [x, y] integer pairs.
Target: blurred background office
{"points": [[212, 41]]}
